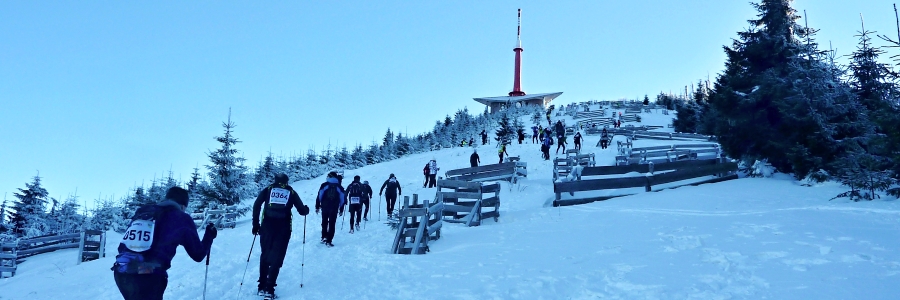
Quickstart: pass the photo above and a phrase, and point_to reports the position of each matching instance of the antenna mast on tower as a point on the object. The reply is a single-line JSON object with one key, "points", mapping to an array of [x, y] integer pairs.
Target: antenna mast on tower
{"points": [[517, 82]]}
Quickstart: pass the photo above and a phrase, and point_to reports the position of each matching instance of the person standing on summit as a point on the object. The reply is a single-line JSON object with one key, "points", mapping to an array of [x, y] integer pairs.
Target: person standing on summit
{"points": [[393, 190], [275, 202]]}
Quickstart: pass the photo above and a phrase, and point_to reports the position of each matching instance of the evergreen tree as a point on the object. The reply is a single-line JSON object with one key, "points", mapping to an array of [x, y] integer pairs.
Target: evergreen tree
{"points": [[505, 131], [28, 218], [265, 173], [646, 100], [227, 173], [68, 219], [753, 100]]}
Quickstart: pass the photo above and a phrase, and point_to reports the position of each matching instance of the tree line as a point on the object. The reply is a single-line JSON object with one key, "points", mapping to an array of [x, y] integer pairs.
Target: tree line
{"points": [[227, 180]]}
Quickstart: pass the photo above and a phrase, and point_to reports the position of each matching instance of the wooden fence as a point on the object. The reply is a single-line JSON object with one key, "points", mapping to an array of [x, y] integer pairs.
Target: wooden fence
{"points": [[509, 171], [464, 202], [419, 224], [651, 175], [90, 245], [670, 153], [221, 217]]}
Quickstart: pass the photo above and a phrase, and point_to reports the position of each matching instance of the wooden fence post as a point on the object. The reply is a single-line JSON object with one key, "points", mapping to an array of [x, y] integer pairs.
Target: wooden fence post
{"points": [[80, 249]]}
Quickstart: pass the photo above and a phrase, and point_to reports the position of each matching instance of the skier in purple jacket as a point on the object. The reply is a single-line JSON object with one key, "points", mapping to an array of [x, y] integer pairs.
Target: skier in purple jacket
{"points": [[140, 267]]}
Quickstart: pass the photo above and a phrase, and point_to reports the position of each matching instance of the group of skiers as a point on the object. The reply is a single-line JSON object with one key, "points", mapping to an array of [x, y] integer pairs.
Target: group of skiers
{"points": [[156, 230]]}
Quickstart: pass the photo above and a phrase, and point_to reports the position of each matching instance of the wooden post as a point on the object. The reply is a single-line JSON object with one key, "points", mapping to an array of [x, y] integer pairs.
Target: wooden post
{"points": [[81, 249]]}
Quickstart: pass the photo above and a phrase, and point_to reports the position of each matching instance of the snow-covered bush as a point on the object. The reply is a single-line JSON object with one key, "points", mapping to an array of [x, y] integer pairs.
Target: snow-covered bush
{"points": [[761, 168]]}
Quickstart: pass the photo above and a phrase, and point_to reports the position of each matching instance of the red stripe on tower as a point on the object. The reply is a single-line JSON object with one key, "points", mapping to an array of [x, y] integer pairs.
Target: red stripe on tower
{"points": [[517, 81]]}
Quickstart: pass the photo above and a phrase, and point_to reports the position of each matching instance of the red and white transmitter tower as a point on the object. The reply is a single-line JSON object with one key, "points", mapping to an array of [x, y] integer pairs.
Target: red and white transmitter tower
{"points": [[517, 81]]}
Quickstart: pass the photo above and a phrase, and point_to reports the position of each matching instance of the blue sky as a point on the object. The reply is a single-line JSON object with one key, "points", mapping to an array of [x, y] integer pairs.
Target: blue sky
{"points": [[101, 96]]}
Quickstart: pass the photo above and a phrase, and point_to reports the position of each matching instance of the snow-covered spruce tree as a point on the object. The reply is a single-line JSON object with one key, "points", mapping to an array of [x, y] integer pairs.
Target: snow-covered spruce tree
{"points": [[505, 131], [265, 172], [876, 86], [107, 215], [227, 174], [757, 108], [68, 219], [646, 100], [29, 215], [358, 156], [865, 174]]}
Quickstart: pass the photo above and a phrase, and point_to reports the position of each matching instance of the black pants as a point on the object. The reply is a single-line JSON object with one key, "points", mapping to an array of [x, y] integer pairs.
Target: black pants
{"points": [[546, 150], [329, 218], [268, 276], [355, 211], [391, 200], [560, 145], [365, 204], [431, 180], [141, 286], [501, 158], [577, 146], [274, 237], [427, 179]]}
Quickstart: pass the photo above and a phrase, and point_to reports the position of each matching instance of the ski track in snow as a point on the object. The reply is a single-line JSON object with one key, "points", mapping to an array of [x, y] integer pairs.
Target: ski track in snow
{"points": [[751, 238]]}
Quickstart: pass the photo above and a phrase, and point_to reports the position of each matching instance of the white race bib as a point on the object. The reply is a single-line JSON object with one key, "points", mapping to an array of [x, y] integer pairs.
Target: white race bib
{"points": [[354, 200], [279, 196], [139, 235]]}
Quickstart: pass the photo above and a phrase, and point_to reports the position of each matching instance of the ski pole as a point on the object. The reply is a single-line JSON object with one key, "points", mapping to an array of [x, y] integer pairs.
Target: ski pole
{"points": [[248, 259], [206, 274], [303, 255], [379, 207], [342, 219]]}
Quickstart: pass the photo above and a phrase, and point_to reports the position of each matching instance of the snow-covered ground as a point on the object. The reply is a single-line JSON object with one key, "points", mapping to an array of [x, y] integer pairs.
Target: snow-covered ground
{"points": [[751, 238]]}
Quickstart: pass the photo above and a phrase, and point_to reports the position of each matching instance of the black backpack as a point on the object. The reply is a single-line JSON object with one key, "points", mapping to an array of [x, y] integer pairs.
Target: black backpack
{"points": [[332, 195], [354, 190]]}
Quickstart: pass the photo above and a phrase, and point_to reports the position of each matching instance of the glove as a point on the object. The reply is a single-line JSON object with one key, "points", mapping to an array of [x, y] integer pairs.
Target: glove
{"points": [[304, 210], [211, 231], [255, 229]]}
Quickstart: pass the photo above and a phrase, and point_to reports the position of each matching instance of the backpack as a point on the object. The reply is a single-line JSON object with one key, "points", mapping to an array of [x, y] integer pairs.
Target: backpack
{"points": [[354, 192], [276, 206], [139, 235]]}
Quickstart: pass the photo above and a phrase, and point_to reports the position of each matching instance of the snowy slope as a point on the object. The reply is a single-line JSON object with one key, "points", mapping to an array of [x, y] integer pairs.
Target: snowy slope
{"points": [[748, 239]]}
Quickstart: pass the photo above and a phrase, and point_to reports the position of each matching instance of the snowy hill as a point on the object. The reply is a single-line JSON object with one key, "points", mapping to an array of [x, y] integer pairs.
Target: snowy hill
{"points": [[752, 238]]}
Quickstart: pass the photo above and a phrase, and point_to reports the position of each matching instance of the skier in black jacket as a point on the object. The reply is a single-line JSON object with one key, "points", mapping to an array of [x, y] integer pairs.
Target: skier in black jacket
{"points": [[367, 195], [355, 193], [474, 160], [393, 190], [275, 202], [331, 201]]}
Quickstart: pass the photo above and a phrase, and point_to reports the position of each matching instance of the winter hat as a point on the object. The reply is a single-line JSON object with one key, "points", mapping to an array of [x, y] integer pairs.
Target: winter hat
{"points": [[356, 178], [332, 174], [392, 175], [281, 178], [366, 182], [177, 194]]}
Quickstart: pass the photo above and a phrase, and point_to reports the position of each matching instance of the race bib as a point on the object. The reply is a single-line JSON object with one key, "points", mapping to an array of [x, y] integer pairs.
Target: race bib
{"points": [[354, 200], [279, 196], [139, 235]]}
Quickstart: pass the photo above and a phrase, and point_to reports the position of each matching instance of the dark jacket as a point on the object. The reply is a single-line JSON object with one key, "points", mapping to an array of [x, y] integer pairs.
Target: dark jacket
{"points": [[392, 187], [331, 205], [173, 228], [274, 212], [474, 160], [578, 138], [367, 192], [361, 194]]}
